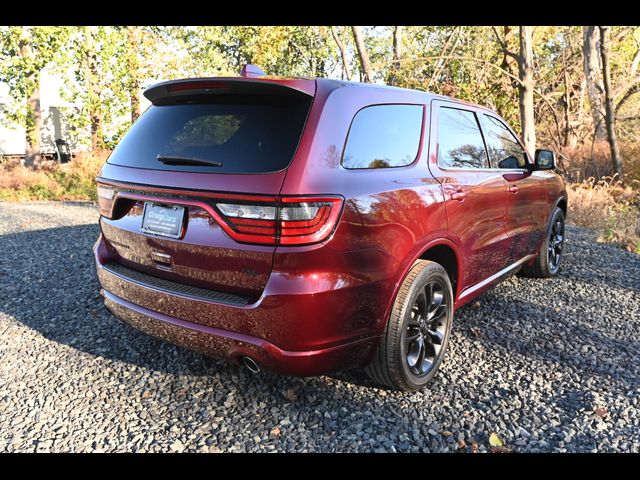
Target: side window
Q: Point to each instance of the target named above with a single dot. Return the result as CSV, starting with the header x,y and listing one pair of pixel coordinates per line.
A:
x,y
383,136
460,143
504,149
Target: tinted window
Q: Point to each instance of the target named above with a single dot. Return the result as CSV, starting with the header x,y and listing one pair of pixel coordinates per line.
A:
x,y
460,143
248,134
384,136
504,149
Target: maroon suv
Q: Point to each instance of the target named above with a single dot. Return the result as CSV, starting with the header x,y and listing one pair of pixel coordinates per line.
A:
x,y
310,225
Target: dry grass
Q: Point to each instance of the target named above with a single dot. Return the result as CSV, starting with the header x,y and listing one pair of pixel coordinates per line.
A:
x,y
71,181
594,161
610,207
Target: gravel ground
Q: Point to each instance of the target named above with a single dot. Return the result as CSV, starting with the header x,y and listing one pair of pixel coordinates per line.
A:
x,y
547,365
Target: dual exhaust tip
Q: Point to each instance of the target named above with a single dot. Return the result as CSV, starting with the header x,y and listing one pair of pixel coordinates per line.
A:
x,y
250,364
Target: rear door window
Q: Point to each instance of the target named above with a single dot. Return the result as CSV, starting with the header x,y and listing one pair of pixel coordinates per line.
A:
x,y
384,136
245,134
460,143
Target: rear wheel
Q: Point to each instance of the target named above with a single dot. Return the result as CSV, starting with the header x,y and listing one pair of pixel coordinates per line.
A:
x,y
547,263
417,333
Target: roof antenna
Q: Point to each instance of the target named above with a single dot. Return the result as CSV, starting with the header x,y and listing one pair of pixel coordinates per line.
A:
x,y
251,71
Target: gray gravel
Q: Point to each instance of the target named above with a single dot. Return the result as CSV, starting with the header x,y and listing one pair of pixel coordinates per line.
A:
x,y
547,365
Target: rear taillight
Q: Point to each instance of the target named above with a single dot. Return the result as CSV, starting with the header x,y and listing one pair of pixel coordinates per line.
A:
x,y
105,200
246,219
289,221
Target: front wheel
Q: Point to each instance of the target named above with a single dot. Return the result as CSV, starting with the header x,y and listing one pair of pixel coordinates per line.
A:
x,y
415,339
547,262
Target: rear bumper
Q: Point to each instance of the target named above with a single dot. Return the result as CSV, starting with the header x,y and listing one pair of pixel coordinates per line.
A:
x,y
300,332
232,345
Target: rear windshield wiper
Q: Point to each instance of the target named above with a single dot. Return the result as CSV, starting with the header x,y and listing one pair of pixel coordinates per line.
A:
x,y
173,160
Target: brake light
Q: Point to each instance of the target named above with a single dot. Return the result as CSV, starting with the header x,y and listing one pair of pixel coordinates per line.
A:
x,y
290,221
105,200
178,87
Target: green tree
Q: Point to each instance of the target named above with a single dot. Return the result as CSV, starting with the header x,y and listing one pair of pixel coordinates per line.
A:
x,y
26,51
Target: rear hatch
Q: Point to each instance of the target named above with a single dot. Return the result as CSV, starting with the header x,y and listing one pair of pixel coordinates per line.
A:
x,y
189,193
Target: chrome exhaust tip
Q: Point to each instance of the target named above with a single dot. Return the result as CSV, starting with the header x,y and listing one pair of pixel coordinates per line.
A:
x,y
250,364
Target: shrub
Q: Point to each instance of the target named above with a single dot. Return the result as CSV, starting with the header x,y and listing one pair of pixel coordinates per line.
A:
x,y
72,181
594,161
608,206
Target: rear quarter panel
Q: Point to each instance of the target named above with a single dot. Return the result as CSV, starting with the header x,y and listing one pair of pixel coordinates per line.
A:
x,y
390,215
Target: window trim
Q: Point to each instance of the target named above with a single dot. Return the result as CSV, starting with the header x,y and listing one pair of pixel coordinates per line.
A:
x,y
484,143
420,141
524,150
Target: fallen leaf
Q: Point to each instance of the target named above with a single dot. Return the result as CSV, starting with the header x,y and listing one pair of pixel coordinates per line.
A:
x,y
558,309
290,395
476,304
146,394
600,412
214,449
494,440
446,433
461,444
475,331
274,433
466,414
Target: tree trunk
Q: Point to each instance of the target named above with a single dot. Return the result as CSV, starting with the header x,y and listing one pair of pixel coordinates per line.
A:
x,y
365,64
343,53
33,148
525,90
397,47
133,67
570,138
593,75
93,88
610,113
33,114
507,60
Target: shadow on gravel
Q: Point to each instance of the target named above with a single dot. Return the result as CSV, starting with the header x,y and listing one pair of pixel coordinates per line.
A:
x,y
48,283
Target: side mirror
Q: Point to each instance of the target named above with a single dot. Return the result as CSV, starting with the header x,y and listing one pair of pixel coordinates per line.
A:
x,y
545,160
509,162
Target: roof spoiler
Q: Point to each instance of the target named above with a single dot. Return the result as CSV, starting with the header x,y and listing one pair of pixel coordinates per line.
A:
x,y
165,93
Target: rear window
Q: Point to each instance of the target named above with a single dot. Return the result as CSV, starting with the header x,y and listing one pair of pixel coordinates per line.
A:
x,y
247,134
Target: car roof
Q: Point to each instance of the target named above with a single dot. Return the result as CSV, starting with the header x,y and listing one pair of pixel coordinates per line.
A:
x,y
428,95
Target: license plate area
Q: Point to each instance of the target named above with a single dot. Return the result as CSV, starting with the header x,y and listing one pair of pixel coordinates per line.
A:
x,y
163,220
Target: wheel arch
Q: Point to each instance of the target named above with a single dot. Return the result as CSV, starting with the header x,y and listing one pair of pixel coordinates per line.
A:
x,y
440,250
562,204
445,254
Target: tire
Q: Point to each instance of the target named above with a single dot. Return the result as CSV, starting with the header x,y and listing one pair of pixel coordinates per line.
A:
x,y
547,264
425,293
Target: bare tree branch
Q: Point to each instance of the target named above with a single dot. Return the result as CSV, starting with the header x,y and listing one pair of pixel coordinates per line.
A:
x,y
630,90
362,53
440,65
504,46
343,52
634,64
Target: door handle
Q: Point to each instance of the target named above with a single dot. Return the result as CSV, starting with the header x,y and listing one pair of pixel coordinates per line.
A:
x,y
459,195
513,189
